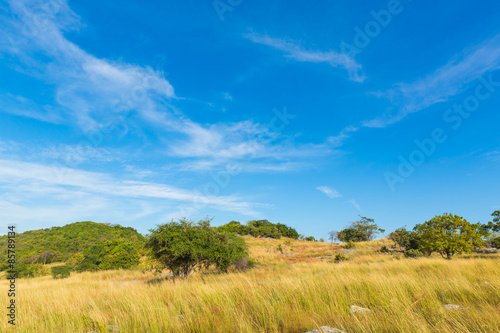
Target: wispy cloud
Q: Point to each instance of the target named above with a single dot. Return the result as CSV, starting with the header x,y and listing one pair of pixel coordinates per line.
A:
x,y
355,204
28,179
330,192
441,85
294,51
91,92
338,140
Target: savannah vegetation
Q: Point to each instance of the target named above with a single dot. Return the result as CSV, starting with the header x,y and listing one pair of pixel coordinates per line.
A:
x,y
291,285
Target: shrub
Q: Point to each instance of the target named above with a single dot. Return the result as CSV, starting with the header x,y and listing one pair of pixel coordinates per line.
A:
x,y
61,272
339,257
384,249
310,239
349,245
184,247
412,253
244,264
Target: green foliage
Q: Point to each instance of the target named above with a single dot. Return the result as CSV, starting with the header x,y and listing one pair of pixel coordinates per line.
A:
x,y
339,257
495,242
58,244
359,231
349,245
405,239
310,239
412,253
449,234
184,247
112,254
61,272
495,224
260,228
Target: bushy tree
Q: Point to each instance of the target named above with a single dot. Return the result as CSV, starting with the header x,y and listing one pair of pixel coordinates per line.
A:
x,y
405,239
362,230
448,235
184,246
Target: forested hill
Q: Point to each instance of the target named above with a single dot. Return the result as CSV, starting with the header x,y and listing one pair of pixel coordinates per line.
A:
x,y
58,244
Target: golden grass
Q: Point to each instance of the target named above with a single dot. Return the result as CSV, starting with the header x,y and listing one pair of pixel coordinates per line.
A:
x,y
278,296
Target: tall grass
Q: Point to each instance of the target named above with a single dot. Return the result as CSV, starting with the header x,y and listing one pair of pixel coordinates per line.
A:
x,y
278,296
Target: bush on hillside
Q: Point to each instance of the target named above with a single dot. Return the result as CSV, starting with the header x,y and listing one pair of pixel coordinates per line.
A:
x,y
411,253
61,272
259,228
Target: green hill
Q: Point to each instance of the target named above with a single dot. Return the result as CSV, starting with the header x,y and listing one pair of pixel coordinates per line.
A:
x,y
73,241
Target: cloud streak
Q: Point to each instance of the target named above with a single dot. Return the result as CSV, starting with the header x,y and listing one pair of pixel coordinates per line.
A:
x,y
296,52
329,192
441,85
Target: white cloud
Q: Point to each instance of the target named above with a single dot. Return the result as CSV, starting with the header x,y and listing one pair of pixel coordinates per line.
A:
x,y
338,140
296,52
228,96
355,205
441,85
28,179
92,92
330,192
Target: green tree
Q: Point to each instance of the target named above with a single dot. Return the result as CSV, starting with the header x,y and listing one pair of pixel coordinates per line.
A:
x,y
448,235
184,247
495,224
362,230
405,239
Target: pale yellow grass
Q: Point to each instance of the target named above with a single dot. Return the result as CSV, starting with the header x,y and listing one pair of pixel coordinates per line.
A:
x,y
278,296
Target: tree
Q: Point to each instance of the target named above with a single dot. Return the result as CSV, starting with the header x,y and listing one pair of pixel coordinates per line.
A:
x,y
332,235
362,230
184,247
495,224
405,239
448,235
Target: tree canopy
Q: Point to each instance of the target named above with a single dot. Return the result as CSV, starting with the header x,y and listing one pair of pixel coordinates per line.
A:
x,y
449,234
362,230
184,247
260,228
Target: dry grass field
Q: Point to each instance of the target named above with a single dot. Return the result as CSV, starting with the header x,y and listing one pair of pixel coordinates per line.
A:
x,y
296,292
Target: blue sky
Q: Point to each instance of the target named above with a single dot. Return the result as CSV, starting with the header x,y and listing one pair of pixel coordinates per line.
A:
x,y
308,114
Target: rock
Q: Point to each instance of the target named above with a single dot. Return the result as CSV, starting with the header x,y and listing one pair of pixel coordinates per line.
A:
x,y
359,309
326,329
453,307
